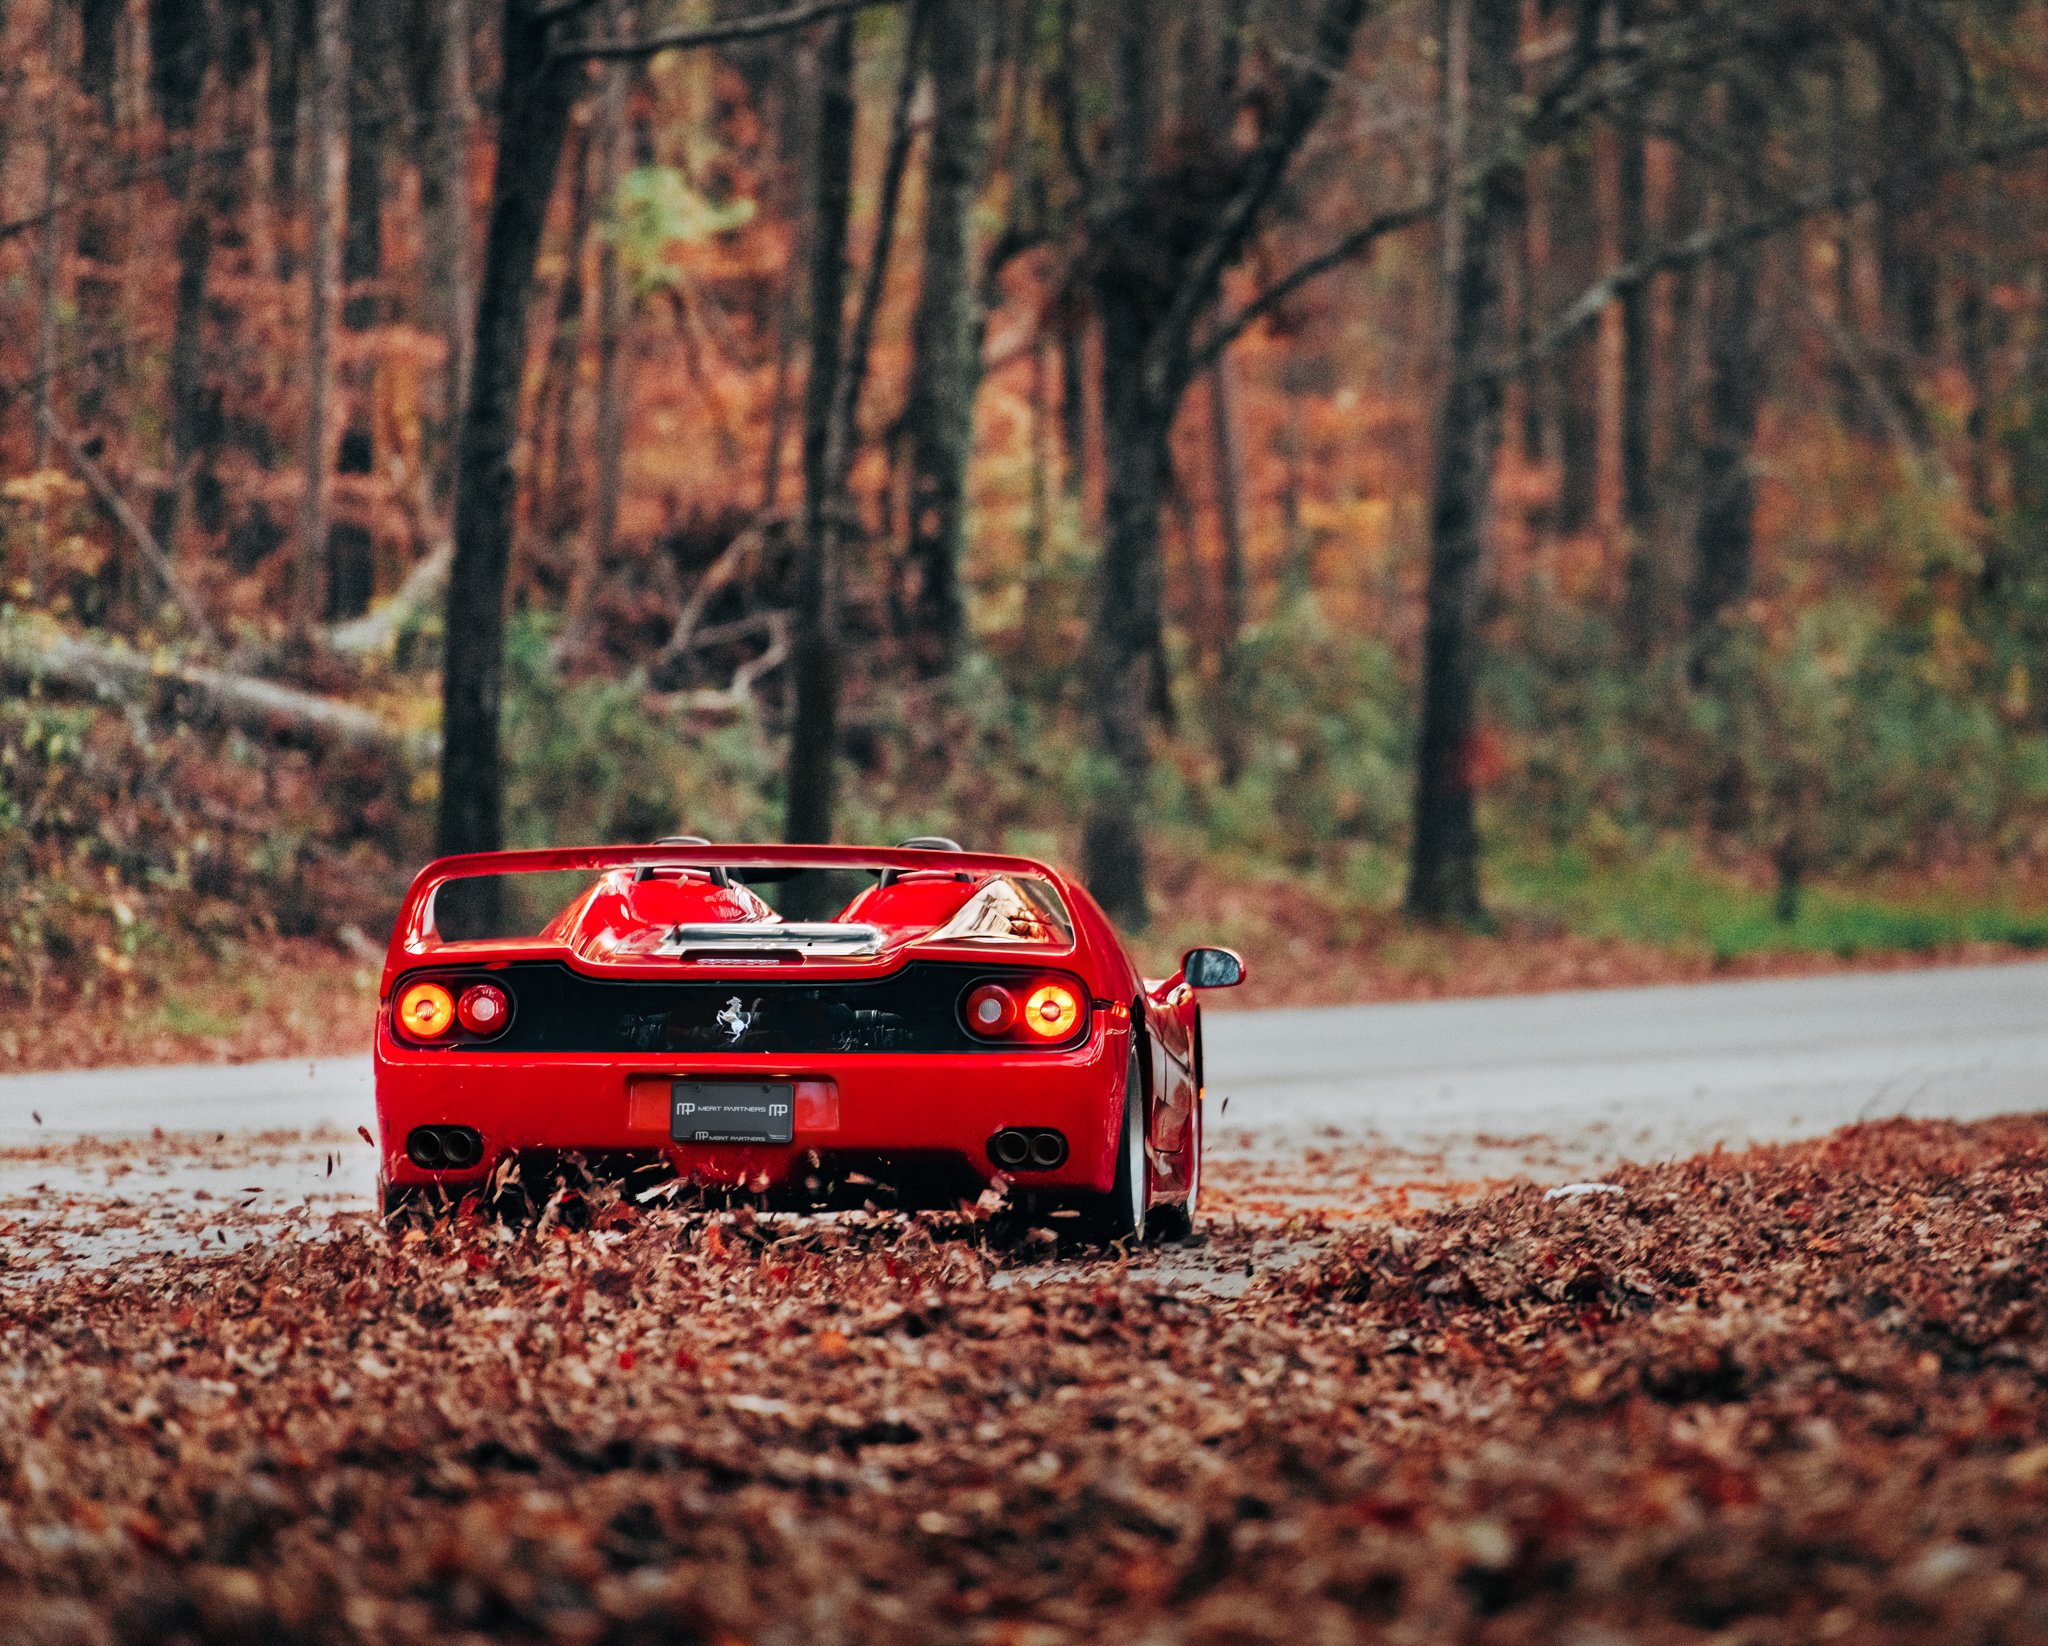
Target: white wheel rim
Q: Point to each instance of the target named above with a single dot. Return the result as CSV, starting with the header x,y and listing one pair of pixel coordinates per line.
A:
x,y
1195,1165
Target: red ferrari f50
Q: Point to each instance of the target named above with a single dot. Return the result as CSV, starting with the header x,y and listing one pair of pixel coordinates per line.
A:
x,y
964,1019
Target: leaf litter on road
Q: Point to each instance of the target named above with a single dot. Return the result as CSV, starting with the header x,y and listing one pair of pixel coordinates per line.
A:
x,y
1783,1395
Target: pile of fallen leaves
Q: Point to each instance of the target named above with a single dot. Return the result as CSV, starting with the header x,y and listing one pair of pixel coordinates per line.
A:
x,y
1788,1395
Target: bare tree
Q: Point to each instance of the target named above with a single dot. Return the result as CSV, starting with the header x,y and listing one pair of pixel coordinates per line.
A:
x,y
1725,530
535,92
814,662
538,85
449,113
613,140
1162,227
832,415
938,418
1443,874
614,378
325,204
1230,681
185,59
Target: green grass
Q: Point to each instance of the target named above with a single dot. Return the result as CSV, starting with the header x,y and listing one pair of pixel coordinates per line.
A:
x,y
181,1016
1671,901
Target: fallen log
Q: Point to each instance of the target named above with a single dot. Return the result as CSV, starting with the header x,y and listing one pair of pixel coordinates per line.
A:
x,y
376,632
262,707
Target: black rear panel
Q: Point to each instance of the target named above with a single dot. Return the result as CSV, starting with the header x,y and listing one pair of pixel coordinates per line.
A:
x,y
914,1010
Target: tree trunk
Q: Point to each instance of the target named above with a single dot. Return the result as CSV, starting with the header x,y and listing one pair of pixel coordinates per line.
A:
x,y
48,244
445,185
99,24
554,411
614,375
1123,648
324,191
788,193
534,97
1443,876
814,664
1074,405
1038,530
1724,537
1637,401
184,51
1230,682
372,104
945,368
1571,200
815,737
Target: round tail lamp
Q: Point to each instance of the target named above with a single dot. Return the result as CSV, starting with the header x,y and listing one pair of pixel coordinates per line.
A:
x,y
426,1011
484,1009
1051,1011
991,1011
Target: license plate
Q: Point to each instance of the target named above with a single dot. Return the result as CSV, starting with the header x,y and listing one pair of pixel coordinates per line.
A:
x,y
732,1111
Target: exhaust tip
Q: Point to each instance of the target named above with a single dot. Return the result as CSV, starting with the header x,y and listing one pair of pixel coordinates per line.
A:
x,y
1027,1148
1048,1149
444,1148
1010,1147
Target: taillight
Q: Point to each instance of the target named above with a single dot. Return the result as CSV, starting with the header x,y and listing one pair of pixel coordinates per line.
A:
x,y
991,1011
1038,1011
451,1010
484,1009
1051,1011
426,1011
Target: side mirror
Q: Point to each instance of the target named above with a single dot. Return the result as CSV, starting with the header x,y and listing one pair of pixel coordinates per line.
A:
x,y
1211,969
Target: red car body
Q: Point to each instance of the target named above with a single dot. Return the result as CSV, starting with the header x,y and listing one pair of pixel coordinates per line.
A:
x,y
667,1020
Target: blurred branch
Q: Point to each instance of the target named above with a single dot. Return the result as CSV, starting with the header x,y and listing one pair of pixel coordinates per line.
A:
x,y
1710,243
110,499
1300,107
717,575
758,27
1354,245
212,154
1898,420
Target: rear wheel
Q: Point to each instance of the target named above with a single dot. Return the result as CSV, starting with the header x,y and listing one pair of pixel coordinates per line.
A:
x,y
1120,1215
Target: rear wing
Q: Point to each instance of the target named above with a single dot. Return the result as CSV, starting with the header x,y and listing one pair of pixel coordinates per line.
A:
x,y
416,936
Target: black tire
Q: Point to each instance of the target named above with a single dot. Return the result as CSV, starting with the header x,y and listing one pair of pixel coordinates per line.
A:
x,y
1119,1216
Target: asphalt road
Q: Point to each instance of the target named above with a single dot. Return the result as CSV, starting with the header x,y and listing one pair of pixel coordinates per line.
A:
x,y
1625,1073
1643,1073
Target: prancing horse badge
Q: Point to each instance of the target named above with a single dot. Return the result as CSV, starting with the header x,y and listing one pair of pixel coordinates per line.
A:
x,y
736,1019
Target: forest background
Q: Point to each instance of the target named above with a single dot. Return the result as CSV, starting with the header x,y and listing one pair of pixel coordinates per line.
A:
x,y
1475,494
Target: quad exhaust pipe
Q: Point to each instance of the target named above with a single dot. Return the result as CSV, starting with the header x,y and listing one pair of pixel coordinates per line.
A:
x,y
1028,1148
444,1148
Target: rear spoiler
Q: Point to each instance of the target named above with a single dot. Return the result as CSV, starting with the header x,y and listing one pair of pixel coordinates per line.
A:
x,y
413,935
